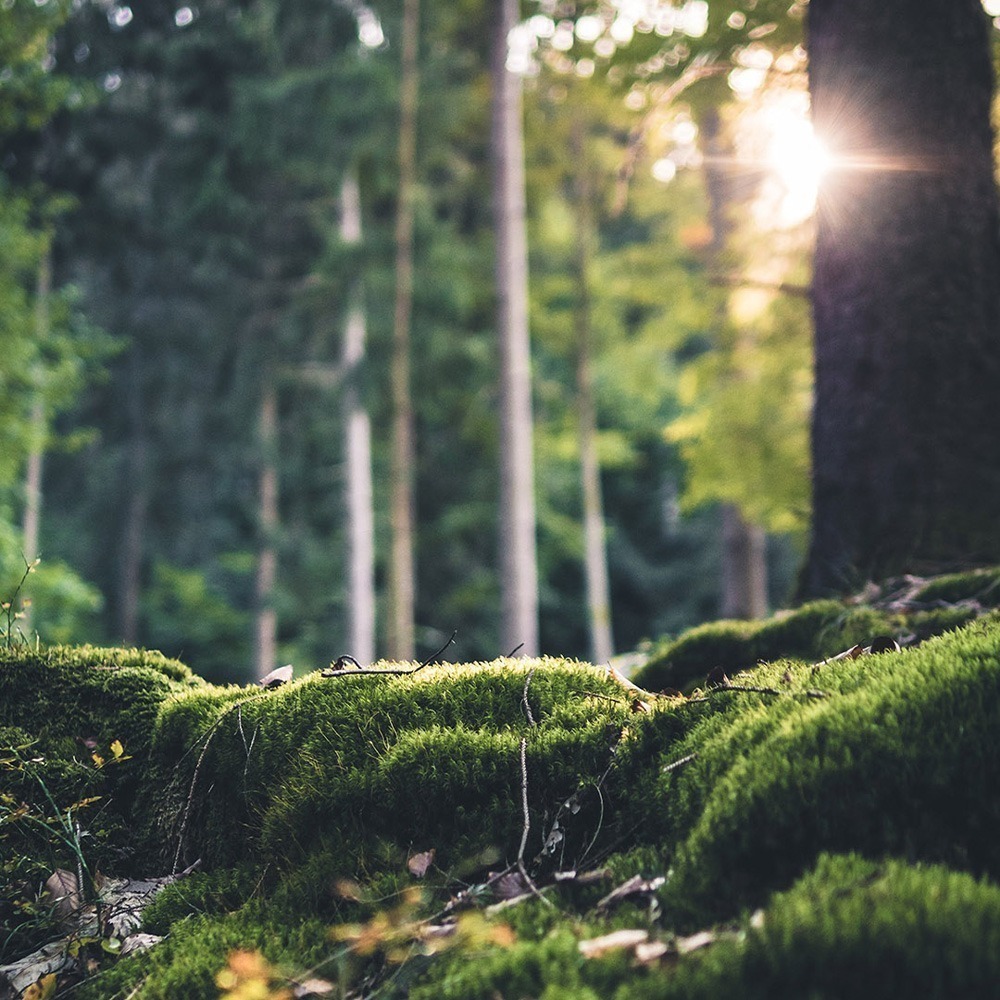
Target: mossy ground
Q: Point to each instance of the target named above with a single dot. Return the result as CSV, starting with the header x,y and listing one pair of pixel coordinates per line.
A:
x,y
832,827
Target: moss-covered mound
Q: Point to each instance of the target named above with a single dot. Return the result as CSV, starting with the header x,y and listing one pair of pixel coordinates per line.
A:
x,y
910,610
795,829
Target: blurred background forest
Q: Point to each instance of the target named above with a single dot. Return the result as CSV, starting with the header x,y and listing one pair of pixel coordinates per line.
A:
x,y
249,289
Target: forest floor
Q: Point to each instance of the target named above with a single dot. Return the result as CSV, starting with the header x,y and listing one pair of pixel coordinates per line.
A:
x,y
804,806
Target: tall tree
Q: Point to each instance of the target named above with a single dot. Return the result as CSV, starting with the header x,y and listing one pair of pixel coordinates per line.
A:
x,y
594,547
401,573
518,567
357,450
906,292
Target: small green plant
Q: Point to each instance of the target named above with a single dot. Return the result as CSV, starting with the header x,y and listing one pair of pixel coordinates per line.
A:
x,y
9,609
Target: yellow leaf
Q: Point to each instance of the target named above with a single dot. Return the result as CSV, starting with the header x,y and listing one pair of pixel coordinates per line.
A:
x,y
117,749
41,990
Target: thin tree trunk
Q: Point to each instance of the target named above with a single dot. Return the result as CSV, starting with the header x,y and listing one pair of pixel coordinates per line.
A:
x,y
906,295
357,448
518,564
401,572
36,450
136,509
744,564
595,553
266,619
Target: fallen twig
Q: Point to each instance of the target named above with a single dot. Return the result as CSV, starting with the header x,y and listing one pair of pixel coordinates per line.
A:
x,y
680,763
754,689
335,671
527,826
524,698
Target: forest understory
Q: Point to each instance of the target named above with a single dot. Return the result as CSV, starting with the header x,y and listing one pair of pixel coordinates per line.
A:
x,y
799,806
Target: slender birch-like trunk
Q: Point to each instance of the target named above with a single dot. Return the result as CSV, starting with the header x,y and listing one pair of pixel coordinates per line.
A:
x,y
266,618
401,643
595,552
518,564
358,453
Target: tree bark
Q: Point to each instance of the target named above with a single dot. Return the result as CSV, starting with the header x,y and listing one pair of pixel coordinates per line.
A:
x,y
906,293
266,618
518,563
357,449
401,572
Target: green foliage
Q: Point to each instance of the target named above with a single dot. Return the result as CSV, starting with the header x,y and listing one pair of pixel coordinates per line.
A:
x,y
186,616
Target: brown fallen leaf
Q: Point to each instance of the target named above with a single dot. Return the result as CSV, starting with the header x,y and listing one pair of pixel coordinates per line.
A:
x,y
615,941
419,863
63,895
510,886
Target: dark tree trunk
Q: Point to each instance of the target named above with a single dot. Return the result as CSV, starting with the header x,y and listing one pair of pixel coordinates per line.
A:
x,y
906,292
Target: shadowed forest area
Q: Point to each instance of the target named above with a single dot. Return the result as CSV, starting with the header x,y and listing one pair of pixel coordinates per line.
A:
x,y
499,499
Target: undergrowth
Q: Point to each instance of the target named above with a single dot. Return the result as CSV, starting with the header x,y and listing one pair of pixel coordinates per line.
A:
x,y
796,828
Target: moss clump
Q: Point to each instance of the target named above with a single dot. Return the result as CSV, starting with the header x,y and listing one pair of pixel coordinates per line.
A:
x,y
905,762
850,928
821,629
64,712
429,760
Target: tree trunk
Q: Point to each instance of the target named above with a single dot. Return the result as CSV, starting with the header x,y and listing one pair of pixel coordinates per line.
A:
x,y
595,556
357,449
36,449
266,618
906,293
744,564
518,566
136,509
401,574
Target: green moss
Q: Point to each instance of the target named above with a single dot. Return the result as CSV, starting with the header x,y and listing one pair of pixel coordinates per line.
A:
x,y
853,928
905,762
814,632
286,793
431,760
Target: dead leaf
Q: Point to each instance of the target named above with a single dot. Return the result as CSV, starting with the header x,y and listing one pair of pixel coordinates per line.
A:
x,y
313,988
63,894
138,942
635,886
42,990
884,644
510,886
702,939
647,952
615,941
638,705
419,863
277,677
